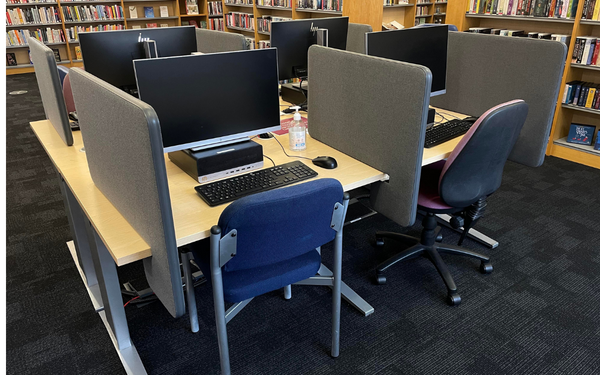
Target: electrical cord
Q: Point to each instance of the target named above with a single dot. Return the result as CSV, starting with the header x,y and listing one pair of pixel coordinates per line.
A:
x,y
269,159
290,156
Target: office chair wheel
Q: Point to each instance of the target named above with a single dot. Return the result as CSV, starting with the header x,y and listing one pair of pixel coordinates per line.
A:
x,y
439,238
379,241
453,299
380,279
486,267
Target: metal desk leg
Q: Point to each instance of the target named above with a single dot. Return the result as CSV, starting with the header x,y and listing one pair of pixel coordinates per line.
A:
x,y
350,295
80,245
113,315
473,233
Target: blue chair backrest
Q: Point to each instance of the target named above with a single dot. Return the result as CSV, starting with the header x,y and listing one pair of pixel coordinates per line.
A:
x,y
450,27
62,73
281,224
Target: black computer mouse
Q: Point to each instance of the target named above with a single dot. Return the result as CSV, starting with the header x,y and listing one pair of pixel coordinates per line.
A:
x,y
326,162
471,119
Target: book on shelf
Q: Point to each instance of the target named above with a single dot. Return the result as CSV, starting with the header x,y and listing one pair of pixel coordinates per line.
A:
x,y
275,3
581,134
133,11
191,7
11,59
164,11
597,144
586,51
193,23
32,16
591,10
136,27
164,25
56,54
330,5
78,53
151,25
393,25
92,13
240,20
535,8
215,8
30,59
582,94
18,37
149,12
480,30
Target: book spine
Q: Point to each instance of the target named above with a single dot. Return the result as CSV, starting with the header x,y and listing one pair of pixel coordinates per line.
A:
x,y
590,97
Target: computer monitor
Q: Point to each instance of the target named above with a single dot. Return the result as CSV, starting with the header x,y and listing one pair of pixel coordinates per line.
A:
x,y
211,99
293,38
109,54
426,46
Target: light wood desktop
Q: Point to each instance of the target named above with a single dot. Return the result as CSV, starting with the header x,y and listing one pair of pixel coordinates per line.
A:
x,y
192,217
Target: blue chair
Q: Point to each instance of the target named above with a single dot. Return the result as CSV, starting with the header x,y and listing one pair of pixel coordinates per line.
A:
x,y
269,241
450,27
62,73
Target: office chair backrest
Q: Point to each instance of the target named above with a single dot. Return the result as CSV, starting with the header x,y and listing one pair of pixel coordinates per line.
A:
x,y
374,110
484,70
357,37
211,41
48,80
62,73
124,150
68,94
292,222
474,169
450,26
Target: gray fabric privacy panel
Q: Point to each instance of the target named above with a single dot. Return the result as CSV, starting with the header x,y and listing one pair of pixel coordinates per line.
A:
x,y
211,41
356,37
374,110
487,70
123,146
48,80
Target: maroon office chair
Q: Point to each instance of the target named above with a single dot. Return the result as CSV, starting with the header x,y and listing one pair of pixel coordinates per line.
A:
x,y
461,184
68,94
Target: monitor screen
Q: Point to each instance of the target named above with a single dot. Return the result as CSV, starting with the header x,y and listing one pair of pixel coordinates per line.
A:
x,y
109,54
426,46
293,38
213,98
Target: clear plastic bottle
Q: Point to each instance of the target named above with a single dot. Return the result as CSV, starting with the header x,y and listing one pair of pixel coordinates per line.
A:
x,y
297,132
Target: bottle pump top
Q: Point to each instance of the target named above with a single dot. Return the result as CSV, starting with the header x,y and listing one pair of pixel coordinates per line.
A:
x,y
297,116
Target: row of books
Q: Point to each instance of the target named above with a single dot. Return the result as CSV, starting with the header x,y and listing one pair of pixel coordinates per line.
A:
x,y
29,2
92,13
215,24
151,25
241,20
586,50
215,8
239,2
535,8
264,22
335,5
250,42
421,11
28,16
275,3
264,44
47,35
394,2
520,33
591,10
582,94
72,32
194,23
148,11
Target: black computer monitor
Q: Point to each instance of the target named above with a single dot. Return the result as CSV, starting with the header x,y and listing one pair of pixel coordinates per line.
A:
x,y
293,38
211,99
109,54
426,46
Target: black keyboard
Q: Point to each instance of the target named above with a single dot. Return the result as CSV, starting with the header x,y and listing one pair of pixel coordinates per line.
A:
x,y
230,189
446,131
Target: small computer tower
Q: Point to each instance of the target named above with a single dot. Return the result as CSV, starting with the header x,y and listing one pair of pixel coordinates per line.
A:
x,y
293,94
218,162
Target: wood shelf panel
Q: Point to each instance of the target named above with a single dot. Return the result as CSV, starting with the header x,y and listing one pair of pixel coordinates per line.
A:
x,y
521,18
582,109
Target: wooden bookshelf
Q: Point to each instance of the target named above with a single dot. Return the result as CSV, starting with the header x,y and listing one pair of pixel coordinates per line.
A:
x,y
564,114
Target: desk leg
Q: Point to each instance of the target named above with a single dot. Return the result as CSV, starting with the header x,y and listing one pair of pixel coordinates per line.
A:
x,y
350,295
113,315
473,233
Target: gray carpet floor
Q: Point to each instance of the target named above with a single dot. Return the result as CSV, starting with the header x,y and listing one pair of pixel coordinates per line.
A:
x,y
537,313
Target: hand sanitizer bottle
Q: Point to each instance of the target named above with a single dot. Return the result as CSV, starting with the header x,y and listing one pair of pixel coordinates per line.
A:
x,y
297,132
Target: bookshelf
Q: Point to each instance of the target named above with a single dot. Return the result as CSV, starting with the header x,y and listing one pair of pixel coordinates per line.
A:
x,y
413,12
565,114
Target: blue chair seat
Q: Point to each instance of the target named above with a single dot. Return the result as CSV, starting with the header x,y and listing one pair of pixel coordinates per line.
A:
x,y
243,284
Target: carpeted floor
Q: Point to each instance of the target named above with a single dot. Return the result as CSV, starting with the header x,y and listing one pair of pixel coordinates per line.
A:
x,y
537,313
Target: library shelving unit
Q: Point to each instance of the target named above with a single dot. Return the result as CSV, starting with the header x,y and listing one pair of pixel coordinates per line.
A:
x,y
413,12
564,115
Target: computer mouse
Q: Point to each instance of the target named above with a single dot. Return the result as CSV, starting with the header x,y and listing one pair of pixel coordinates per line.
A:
x,y
471,119
326,162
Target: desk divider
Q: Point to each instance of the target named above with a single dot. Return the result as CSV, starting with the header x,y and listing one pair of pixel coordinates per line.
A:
x,y
374,110
124,151
48,80
487,70
211,41
357,40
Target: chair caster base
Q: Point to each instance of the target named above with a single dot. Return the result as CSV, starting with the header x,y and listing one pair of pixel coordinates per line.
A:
x,y
380,279
453,299
486,267
379,242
